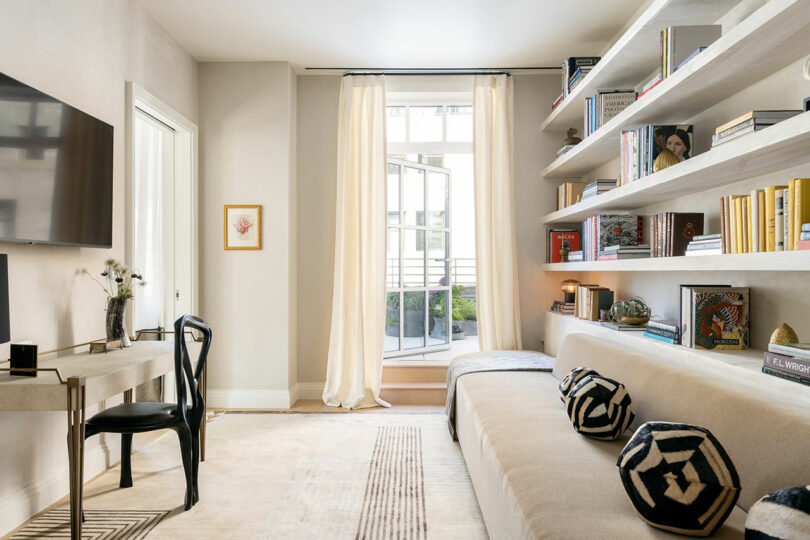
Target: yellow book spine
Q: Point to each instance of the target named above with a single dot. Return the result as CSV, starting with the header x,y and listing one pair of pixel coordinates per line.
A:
x,y
761,224
792,210
746,224
770,218
738,224
801,208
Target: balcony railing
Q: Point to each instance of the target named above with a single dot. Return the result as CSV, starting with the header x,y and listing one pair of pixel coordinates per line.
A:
x,y
462,271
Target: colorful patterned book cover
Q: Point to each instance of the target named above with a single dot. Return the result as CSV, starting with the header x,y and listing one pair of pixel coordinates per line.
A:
x,y
570,240
619,230
721,318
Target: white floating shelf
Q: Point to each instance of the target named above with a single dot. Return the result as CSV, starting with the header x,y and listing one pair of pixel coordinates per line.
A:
x,y
773,149
772,37
779,261
635,54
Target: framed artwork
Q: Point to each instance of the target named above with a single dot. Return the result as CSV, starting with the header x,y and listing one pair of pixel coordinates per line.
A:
x,y
243,226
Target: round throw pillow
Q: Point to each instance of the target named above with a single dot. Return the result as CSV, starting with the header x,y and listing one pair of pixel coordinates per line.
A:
x,y
600,408
571,380
679,478
783,514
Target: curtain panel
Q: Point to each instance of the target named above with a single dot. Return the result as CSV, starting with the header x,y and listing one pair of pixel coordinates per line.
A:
x,y
498,301
354,368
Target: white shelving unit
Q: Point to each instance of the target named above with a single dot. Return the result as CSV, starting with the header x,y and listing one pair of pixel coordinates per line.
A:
x,y
769,39
780,261
775,148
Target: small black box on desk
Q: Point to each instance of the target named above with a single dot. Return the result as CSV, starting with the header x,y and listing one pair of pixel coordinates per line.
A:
x,y
23,360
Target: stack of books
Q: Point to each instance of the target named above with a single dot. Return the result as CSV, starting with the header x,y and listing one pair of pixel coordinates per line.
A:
x,y
598,187
566,308
557,102
560,241
590,300
679,44
748,123
672,232
705,244
640,147
663,330
804,237
576,66
619,253
564,149
569,193
576,256
604,105
790,361
622,327
766,220
598,232
649,85
714,317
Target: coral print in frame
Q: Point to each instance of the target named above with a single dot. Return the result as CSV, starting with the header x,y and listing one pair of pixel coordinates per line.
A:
x,y
243,226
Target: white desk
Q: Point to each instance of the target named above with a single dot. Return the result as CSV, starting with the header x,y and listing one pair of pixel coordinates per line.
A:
x,y
69,382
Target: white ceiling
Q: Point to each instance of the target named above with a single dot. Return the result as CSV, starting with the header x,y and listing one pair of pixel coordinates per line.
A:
x,y
388,33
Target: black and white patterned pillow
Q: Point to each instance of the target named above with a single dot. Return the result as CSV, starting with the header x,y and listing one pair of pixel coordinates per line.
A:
x,y
783,514
571,380
600,408
679,478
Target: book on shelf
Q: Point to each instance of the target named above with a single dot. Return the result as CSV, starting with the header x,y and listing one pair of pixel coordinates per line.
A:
x,y
705,244
649,86
601,231
566,308
575,256
748,123
673,232
788,364
684,297
569,193
559,239
640,147
795,350
658,337
598,187
799,208
670,334
565,149
664,324
604,105
715,317
619,252
622,327
680,42
579,298
690,57
569,68
578,77
557,102
597,299
785,375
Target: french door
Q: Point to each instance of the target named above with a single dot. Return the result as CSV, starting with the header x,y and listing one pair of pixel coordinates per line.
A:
x,y
418,292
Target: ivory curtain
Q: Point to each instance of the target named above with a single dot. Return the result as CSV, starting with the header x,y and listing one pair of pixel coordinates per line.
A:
x,y
496,251
354,368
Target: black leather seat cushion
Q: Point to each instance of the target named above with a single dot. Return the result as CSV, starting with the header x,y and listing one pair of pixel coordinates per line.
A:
x,y
135,416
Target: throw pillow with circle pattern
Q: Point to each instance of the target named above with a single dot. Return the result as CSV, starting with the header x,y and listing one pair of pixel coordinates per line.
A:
x,y
679,478
782,514
571,380
600,408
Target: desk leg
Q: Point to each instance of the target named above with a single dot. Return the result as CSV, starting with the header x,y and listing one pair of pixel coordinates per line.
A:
x,y
76,416
204,384
128,396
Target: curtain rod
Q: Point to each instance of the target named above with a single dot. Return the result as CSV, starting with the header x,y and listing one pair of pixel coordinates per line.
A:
x,y
429,71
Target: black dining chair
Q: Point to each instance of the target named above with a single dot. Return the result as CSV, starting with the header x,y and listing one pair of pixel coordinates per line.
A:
x,y
184,418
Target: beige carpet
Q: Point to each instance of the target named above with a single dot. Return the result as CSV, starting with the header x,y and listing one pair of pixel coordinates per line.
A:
x,y
327,476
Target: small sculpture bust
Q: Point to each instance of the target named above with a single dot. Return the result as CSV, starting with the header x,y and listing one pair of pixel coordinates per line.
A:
x,y
571,139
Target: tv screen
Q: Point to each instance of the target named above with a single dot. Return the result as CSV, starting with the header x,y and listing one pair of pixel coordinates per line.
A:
x,y
56,162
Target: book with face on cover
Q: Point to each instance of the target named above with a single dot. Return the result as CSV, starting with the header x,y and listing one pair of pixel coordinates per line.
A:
x,y
720,318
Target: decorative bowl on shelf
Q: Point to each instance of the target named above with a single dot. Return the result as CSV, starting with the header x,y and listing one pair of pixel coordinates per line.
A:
x,y
634,320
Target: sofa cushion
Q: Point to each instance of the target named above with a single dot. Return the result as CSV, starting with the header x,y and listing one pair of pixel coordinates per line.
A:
x,y
783,514
571,380
762,421
679,478
534,476
600,408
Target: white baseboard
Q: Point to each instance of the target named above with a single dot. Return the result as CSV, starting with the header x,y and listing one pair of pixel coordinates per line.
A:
x,y
250,399
22,505
309,390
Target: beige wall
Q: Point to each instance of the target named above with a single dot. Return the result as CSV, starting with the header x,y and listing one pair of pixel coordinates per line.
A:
x,y
247,156
81,52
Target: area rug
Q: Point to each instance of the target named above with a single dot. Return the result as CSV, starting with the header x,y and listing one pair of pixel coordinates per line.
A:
x,y
104,524
284,476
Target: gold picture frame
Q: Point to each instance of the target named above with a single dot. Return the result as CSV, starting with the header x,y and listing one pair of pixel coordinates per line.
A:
x,y
243,226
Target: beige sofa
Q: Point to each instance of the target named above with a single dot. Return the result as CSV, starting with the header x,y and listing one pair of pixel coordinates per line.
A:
x,y
535,477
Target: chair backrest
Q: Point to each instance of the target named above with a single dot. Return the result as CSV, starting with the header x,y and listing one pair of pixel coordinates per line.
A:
x,y
184,374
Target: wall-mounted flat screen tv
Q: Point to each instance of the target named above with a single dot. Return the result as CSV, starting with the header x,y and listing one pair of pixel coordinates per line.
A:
x,y
56,170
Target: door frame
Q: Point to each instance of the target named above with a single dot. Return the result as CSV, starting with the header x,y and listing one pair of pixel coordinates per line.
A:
x,y
426,288
185,167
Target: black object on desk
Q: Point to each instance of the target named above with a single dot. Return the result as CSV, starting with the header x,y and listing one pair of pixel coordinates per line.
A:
x,y
23,360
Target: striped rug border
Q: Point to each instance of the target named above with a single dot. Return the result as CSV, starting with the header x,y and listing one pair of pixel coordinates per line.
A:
x,y
394,500
98,525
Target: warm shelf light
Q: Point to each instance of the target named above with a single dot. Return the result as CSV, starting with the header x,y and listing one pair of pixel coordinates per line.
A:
x,y
569,287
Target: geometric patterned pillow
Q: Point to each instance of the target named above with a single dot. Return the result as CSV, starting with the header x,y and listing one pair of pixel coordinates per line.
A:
x,y
679,478
600,408
571,380
783,514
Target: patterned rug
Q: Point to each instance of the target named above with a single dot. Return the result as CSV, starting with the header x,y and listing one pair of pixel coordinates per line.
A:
x,y
98,525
